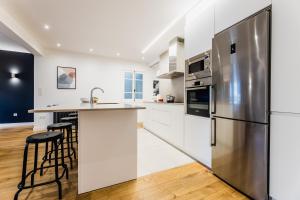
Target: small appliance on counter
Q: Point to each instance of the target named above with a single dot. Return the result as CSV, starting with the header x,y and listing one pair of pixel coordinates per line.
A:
x,y
170,99
198,80
159,98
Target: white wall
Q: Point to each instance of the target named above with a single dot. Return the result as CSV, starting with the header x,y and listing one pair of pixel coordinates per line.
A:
x,y
107,73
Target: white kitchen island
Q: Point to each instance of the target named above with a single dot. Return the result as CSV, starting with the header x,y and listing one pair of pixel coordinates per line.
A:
x,y
107,143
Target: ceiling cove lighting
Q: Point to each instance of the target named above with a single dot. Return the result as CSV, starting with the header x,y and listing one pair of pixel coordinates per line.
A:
x,y
46,27
203,3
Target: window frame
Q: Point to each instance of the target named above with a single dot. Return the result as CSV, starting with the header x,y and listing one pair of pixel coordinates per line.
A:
x,y
133,85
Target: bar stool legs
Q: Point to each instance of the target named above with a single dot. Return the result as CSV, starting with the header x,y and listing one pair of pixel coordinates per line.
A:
x,y
22,183
36,151
56,144
56,169
67,131
71,141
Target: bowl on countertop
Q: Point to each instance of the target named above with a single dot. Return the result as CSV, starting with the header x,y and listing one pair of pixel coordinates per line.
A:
x,y
84,100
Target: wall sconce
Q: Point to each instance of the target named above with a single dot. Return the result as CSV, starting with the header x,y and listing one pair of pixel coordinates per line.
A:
x,y
13,75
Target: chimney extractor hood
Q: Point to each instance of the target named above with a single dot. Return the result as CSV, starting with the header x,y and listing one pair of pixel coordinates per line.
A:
x,y
172,62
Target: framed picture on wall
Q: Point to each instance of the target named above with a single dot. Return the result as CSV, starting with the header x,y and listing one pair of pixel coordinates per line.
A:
x,y
66,77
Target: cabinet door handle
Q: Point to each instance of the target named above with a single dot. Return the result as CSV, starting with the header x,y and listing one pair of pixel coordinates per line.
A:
x,y
213,99
213,132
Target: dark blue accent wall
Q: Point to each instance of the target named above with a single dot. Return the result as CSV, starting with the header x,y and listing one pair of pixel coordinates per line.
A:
x,y
16,94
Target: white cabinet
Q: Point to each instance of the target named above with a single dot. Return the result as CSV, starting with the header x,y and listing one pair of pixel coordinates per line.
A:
x,y
166,121
285,95
285,157
199,30
198,138
229,12
163,63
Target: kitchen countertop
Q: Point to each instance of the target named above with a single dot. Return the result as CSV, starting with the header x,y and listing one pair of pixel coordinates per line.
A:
x,y
164,103
86,107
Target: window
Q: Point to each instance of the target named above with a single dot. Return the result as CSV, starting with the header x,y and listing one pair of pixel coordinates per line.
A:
x,y
133,83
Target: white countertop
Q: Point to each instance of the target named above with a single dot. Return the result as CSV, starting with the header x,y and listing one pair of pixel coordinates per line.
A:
x,y
86,107
164,103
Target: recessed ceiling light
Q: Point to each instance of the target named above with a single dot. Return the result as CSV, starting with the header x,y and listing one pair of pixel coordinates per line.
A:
x,y
58,45
46,27
118,54
91,50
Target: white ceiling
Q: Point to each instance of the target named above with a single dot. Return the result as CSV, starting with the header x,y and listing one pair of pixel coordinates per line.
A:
x,y
107,26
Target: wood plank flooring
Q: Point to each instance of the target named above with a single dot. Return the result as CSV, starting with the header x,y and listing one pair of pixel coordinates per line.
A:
x,y
189,182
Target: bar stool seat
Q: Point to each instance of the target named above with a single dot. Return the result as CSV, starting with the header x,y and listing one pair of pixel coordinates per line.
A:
x,y
69,119
43,137
36,139
58,125
73,114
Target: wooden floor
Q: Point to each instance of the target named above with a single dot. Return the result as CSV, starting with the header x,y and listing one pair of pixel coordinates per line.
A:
x,y
190,182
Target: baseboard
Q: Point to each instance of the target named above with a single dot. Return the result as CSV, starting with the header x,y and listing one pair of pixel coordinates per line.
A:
x,y
16,125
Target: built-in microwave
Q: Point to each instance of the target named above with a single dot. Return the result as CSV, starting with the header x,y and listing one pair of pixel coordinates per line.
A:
x,y
198,97
198,66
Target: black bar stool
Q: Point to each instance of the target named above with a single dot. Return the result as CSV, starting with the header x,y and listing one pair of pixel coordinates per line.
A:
x,y
74,121
36,139
74,114
66,129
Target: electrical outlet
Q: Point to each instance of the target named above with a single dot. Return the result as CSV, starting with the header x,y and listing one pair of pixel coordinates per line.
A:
x,y
15,114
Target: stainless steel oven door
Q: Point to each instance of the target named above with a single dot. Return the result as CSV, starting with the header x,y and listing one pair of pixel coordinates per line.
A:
x,y
198,101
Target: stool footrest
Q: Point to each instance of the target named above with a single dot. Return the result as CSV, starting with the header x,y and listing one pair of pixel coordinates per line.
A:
x,y
20,186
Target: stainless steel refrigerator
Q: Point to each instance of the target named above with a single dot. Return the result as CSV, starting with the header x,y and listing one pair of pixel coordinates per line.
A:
x,y
240,105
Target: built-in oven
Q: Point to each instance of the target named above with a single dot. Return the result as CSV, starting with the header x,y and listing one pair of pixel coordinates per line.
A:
x,y
198,66
198,97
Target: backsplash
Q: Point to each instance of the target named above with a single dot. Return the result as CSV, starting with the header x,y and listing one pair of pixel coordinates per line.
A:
x,y
174,87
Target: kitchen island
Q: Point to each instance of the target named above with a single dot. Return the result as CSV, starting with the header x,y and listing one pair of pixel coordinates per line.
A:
x,y
107,143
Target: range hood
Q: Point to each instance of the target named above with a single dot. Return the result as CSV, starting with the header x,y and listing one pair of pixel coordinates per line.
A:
x,y
171,64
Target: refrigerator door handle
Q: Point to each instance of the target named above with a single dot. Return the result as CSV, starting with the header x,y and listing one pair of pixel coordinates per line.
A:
x,y
213,132
213,99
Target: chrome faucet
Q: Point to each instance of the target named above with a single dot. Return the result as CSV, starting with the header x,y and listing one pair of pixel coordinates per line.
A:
x,y
92,92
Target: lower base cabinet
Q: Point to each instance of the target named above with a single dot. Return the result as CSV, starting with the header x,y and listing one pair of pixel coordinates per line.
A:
x,y
166,121
189,133
197,142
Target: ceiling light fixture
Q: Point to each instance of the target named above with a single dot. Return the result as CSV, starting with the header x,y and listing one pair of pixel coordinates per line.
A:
x,y
46,27
91,50
58,45
165,30
118,54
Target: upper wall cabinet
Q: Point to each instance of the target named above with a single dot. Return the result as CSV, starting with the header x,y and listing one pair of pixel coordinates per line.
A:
x,y
199,30
285,95
229,12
